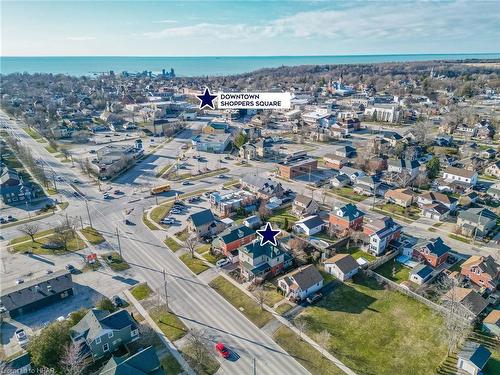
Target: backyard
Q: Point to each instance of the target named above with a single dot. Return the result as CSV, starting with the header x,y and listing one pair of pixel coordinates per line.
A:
x,y
347,192
394,271
283,216
377,331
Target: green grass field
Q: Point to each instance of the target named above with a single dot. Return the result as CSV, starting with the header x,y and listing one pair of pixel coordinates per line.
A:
x,y
75,244
402,273
378,331
169,323
241,301
459,238
172,244
117,263
194,264
347,192
304,353
92,235
159,212
170,365
141,291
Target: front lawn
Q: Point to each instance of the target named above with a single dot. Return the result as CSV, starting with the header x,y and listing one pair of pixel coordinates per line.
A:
x,y
378,331
283,308
115,261
203,248
401,273
271,295
347,192
92,235
207,366
172,244
194,264
241,301
211,258
74,244
459,238
410,212
280,216
183,235
304,353
168,322
141,291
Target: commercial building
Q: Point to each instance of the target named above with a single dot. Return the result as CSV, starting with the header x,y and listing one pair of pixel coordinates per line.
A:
x,y
297,167
212,142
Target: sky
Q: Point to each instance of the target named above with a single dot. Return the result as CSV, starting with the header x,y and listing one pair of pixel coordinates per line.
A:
x,y
247,28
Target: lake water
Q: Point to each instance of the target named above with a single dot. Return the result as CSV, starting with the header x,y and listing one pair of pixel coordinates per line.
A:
x,y
200,66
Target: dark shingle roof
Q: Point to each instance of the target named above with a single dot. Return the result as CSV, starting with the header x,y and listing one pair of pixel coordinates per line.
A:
x,y
96,320
233,234
255,250
422,270
350,211
36,290
202,217
305,277
144,362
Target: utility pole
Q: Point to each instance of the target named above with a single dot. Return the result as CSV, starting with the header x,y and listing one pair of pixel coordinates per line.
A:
x,y
54,181
81,222
119,245
165,287
88,212
254,367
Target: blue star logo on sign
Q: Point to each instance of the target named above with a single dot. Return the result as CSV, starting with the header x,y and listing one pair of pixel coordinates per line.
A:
x,y
206,99
268,234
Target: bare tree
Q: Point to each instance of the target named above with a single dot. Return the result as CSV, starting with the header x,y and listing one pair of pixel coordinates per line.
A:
x,y
64,233
323,195
404,178
190,244
260,293
323,340
198,354
456,327
29,229
147,336
421,179
301,325
263,210
72,361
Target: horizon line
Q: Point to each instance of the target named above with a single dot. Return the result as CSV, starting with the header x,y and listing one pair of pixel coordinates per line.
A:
x,y
257,56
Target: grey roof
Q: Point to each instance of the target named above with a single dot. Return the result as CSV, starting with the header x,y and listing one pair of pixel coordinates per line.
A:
x,y
235,233
345,262
312,221
437,246
478,214
475,353
36,290
305,277
202,217
96,320
144,362
422,270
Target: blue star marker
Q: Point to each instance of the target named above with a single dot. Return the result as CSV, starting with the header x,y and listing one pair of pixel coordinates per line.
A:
x,y
268,235
206,99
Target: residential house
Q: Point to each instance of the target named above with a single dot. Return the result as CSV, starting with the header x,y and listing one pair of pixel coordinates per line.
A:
x,y
233,238
472,358
101,332
253,222
381,231
463,176
334,161
309,225
468,199
342,266
144,362
494,191
433,252
262,261
489,153
204,223
435,211
493,169
420,274
36,293
430,197
367,185
304,206
263,148
352,173
248,151
402,197
470,300
20,364
492,322
345,151
477,221
483,271
265,188
347,217
340,181
403,165
301,283
13,188
393,138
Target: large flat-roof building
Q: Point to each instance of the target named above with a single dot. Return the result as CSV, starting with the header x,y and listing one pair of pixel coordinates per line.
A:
x,y
297,167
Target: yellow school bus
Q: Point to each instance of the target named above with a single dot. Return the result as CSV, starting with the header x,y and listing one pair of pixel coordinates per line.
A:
x,y
160,189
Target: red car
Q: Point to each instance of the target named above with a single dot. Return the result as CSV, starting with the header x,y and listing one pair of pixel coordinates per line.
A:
x,y
222,350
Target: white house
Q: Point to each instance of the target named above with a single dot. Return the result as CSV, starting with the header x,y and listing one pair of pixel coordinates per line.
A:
x,y
309,225
420,274
342,266
451,174
472,358
301,283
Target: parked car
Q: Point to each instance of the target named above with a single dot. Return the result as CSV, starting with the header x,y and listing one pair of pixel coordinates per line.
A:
x,y
19,281
222,262
185,183
222,350
128,222
11,218
61,318
22,337
117,301
2,220
221,176
117,191
70,268
49,271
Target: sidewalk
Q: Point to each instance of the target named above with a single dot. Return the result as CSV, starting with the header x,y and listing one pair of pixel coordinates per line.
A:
x,y
173,350
288,324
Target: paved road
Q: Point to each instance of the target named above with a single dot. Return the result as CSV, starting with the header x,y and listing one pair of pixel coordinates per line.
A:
x,y
189,297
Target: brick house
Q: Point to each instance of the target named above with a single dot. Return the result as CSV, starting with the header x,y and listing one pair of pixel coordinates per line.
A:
x,y
347,217
482,271
433,252
233,238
